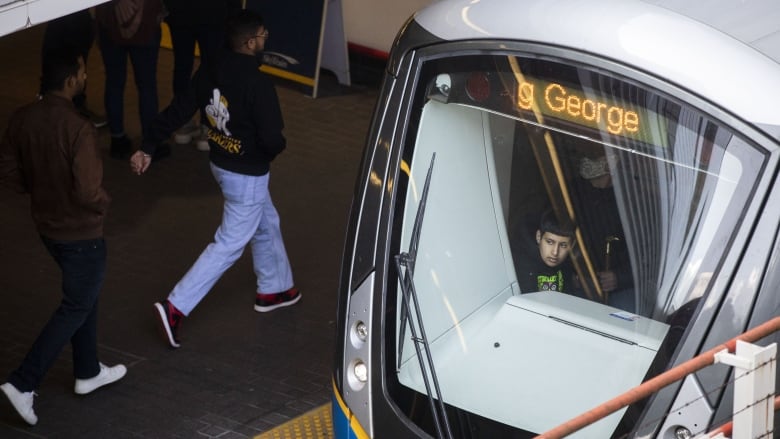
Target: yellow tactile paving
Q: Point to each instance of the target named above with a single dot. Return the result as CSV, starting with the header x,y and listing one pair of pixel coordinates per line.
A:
x,y
314,424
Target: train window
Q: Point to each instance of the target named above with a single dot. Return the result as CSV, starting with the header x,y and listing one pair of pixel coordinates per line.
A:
x,y
556,218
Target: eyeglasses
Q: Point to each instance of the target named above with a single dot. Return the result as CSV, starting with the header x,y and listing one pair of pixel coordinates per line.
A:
x,y
263,35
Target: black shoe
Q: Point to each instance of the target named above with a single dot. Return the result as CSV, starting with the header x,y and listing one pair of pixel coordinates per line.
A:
x,y
120,147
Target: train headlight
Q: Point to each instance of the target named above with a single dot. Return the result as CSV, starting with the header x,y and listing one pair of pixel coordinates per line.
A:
x,y
361,329
682,433
359,334
361,371
357,374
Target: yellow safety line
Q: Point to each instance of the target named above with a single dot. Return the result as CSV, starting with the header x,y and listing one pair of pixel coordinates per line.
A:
x,y
165,42
354,425
314,424
305,80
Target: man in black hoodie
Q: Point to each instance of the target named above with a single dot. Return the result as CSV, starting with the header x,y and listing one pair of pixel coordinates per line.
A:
x,y
239,105
191,22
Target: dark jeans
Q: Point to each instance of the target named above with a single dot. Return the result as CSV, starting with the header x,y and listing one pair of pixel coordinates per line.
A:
x,y
83,265
144,61
183,39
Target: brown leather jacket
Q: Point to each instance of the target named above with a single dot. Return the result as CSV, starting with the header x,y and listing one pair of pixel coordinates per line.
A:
x,y
50,151
130,22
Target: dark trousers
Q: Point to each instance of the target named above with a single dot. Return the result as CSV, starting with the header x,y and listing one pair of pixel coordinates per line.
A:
x,y
144,61
83,265
183,39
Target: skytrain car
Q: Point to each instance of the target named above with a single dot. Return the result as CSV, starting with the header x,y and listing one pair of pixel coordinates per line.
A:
x,y
647,132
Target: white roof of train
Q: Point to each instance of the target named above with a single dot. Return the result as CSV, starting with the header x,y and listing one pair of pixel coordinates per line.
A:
x,y
754,22
16,15
699,45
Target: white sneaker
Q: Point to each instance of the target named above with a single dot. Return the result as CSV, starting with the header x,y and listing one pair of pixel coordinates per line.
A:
x,y
185,134
22,402
202,144
107,375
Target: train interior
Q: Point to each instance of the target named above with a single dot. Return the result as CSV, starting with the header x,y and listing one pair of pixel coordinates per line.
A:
x,y
500,350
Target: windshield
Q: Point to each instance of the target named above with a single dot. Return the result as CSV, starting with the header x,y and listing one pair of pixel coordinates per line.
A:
x,y
573,221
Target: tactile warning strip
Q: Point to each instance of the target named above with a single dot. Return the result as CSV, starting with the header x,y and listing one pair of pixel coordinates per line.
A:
x,y
314,424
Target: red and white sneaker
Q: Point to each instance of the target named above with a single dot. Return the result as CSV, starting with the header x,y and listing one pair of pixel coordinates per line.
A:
x,y
170,321
269,302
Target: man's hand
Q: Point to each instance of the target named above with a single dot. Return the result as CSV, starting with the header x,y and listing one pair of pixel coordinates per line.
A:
x,y
140,161
607,280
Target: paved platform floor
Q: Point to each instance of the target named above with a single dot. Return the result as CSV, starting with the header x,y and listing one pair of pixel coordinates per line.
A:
x,y
239,373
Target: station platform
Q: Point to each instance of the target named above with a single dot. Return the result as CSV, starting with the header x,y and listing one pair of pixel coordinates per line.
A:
x,y
239,373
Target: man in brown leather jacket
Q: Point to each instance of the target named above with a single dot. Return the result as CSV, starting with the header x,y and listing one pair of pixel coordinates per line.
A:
x,y
50,151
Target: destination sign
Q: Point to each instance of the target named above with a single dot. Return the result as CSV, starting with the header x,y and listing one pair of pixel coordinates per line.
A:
x,y
590,109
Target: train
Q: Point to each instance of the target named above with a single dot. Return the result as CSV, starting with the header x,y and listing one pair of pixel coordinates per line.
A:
x,y
646,132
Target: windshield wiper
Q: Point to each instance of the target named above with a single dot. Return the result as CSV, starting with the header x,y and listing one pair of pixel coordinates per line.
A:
x,y
406,260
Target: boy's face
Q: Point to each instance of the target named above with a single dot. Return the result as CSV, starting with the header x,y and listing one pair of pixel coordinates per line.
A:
x,y
553,249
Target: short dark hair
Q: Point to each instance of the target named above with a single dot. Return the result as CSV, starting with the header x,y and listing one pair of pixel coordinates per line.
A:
x,y
58,66
241,26
550,223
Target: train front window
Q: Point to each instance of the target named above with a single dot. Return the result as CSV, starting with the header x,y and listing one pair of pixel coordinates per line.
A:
x,y
571,222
